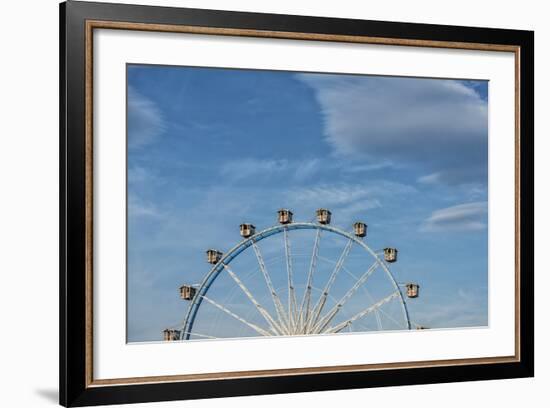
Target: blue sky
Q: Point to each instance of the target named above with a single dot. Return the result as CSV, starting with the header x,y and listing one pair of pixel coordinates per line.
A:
x,y
211,148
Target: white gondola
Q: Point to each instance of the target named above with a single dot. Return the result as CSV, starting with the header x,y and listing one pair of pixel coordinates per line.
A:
x,y
213,256
187,292
247,230
360,229
412,290
323,216
284,216
390,254
171,334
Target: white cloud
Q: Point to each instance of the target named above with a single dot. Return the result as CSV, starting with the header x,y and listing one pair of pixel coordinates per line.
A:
x,y
441,124
145,120
462,217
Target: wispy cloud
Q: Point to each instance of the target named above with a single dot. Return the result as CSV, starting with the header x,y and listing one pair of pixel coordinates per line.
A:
x,y
306,169
470,172
145,120
332,195
247,168
144,177
366,167
298,170
462,217
430,178
251,167
461,308
336,194
437,123
346,201
140,208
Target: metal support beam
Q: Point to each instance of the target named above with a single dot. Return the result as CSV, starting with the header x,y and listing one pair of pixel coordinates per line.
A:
x,y
361,314
239,318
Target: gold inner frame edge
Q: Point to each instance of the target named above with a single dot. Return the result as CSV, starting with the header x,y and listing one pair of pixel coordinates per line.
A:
x,y
93,24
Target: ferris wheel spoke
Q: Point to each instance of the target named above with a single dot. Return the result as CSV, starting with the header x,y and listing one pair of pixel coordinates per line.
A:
x,y
273,325
326,291
389,317
325,320
376,312
291,293
239,318
206,336
363,313
378,320
279,308
363,325
306,299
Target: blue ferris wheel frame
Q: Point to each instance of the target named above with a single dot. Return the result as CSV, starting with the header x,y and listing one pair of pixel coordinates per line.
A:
x,y
243,245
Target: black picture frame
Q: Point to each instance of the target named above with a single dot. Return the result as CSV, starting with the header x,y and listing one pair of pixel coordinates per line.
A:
x,y
75,389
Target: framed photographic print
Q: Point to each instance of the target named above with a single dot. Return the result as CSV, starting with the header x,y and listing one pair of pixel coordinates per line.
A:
x,y
255,203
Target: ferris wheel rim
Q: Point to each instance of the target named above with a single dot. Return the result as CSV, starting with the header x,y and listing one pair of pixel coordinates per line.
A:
x,y
227,257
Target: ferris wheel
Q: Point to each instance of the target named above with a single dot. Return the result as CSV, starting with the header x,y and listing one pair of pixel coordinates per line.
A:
x,y
296,278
